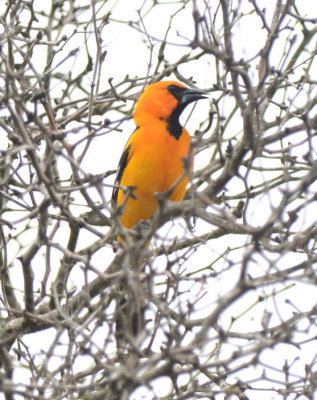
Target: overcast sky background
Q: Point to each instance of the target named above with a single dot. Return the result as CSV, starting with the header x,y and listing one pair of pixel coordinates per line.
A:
x,y
127,53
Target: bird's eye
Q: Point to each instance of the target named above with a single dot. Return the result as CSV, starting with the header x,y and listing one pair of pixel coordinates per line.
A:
x,y
176,91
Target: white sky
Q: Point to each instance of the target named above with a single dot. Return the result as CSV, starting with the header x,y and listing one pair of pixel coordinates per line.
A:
x,y
127,54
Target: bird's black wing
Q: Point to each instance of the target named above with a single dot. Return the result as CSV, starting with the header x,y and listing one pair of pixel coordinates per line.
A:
x,y
121,167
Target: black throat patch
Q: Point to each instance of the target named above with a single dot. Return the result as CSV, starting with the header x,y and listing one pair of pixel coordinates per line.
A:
x,y
173,125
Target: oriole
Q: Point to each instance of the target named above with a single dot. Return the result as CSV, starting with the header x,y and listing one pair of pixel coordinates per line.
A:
x,y
154,157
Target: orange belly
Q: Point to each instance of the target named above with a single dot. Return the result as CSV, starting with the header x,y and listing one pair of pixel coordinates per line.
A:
x,y
155,163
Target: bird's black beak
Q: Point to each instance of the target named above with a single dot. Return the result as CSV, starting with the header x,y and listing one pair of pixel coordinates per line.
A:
x,y
190,95
185,95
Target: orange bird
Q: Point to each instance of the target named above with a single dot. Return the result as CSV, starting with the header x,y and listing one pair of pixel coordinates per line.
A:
x,y
154,157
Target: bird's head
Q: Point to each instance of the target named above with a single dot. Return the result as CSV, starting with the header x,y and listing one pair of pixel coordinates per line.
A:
x,y
164,99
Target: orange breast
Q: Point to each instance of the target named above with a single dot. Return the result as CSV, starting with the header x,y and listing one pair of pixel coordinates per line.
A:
x,y
155,163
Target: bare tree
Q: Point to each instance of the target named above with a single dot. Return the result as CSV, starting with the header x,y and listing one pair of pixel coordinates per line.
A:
x,y
228,284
